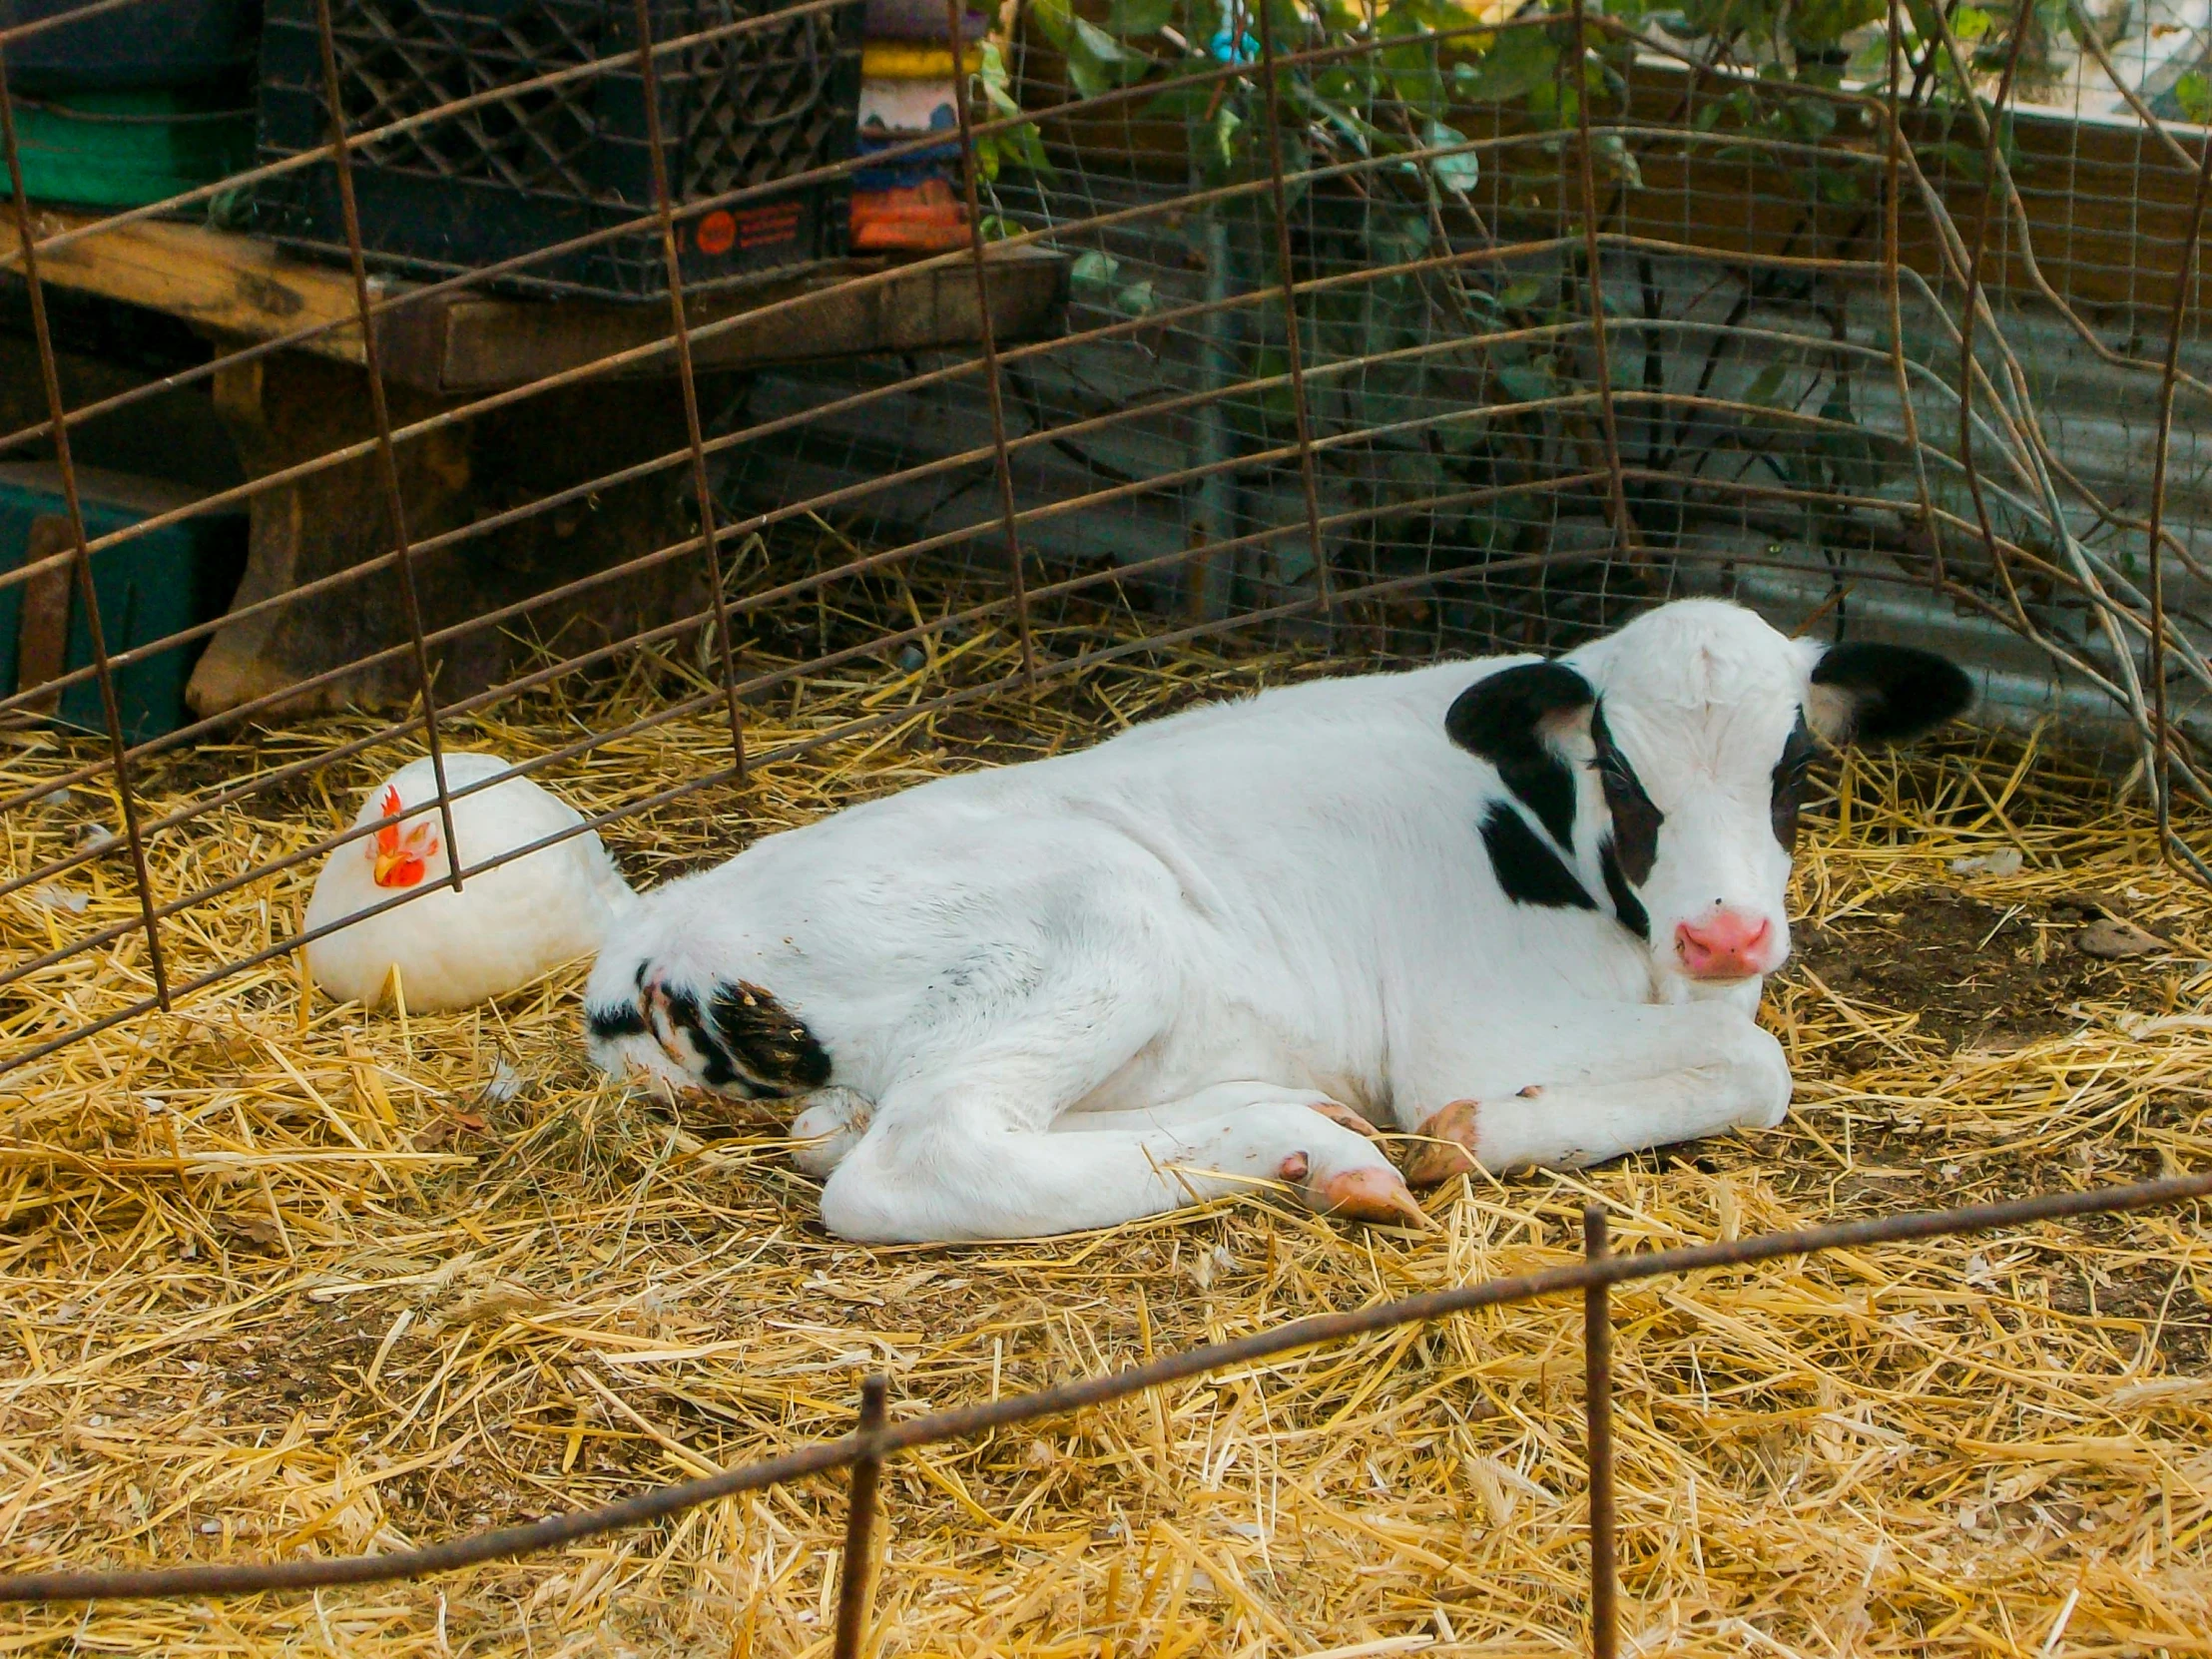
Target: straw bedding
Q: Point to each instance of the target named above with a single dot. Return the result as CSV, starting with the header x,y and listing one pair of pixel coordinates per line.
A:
x,y
278,1277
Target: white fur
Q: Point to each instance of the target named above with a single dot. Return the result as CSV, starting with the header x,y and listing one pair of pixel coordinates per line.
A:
x,y
1067,994
503,929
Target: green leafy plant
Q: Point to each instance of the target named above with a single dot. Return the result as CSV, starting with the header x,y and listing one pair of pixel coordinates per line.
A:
x,y
1020,145
1409,85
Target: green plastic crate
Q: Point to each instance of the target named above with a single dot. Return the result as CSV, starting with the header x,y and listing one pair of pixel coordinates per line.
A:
x,y
149,587
126,149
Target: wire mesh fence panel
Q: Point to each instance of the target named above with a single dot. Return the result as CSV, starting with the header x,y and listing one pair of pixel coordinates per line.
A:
x,y
672,432
1380,332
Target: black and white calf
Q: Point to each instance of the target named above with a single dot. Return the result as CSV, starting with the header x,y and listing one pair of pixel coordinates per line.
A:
x,y
1522,907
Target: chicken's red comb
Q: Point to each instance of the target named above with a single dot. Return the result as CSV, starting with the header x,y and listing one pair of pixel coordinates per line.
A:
x,y
388,839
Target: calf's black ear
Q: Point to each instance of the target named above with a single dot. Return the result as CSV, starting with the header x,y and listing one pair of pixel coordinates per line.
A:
x,y
1867,693
1499,716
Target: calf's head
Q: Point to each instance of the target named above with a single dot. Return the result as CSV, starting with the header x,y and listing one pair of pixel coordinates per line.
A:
x,y
1664,765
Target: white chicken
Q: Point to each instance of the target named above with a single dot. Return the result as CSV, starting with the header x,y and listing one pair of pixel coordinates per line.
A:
x,y
503,929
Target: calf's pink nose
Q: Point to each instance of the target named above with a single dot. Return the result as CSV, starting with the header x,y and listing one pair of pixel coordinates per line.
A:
x,y
1727,946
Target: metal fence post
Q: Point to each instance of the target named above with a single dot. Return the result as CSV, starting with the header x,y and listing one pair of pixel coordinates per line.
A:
x,y
1593,254
388,453
88,599
1597,1405
860,1527
2185,283
1293,348
1972,286
664,207
987,339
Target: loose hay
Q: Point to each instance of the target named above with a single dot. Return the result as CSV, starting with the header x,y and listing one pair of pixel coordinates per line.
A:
x,y
278,1277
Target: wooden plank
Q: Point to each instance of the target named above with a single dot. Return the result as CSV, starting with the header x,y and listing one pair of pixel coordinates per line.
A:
x,y
42,640
242,287
492,343
213,279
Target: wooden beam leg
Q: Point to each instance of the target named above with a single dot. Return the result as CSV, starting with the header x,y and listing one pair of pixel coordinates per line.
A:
x,y
281,411
42,639
287,408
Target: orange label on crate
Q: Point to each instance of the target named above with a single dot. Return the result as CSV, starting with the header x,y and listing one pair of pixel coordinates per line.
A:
x,y
762,227
718,232
721,230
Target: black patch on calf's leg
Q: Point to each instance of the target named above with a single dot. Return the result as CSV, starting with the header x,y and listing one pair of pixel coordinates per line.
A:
x,y
769,1044
607,1024
1498,716
740,1041
1626,905
715,1069
1529,871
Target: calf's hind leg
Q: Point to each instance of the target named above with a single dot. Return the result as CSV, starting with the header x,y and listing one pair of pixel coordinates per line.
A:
x,y
964,1144
964,1171
1214,1101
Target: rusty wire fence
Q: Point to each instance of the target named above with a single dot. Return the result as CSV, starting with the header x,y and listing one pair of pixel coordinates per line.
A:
x,y
1388,329
875,1437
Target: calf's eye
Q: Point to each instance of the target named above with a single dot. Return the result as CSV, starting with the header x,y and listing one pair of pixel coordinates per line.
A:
x,y
1636,824
1786,815
1788,784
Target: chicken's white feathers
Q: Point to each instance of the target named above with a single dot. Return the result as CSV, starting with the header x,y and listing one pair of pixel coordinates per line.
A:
x,y
503,929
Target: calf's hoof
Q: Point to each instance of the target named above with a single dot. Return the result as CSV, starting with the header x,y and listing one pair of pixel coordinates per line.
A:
x,y
1363,1192
830,1126
1447,1145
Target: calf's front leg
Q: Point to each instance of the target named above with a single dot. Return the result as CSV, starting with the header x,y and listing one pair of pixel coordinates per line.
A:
x,y
1590,1085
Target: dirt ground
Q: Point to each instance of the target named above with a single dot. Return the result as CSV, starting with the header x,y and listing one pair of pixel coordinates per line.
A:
x,y
1985,980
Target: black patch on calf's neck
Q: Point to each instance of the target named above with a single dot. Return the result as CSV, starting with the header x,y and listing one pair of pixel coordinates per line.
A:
x,y
1529,871
607,1024
1499,718
1547,786
1626,905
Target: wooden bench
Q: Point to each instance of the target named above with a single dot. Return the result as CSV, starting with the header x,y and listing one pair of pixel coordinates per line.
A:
x,y
444,353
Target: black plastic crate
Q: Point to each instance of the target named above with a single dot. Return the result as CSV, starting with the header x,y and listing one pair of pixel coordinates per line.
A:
x,y
155,43
542,167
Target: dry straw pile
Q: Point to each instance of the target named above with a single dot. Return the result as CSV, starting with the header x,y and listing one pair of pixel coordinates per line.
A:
x,y
278,1277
